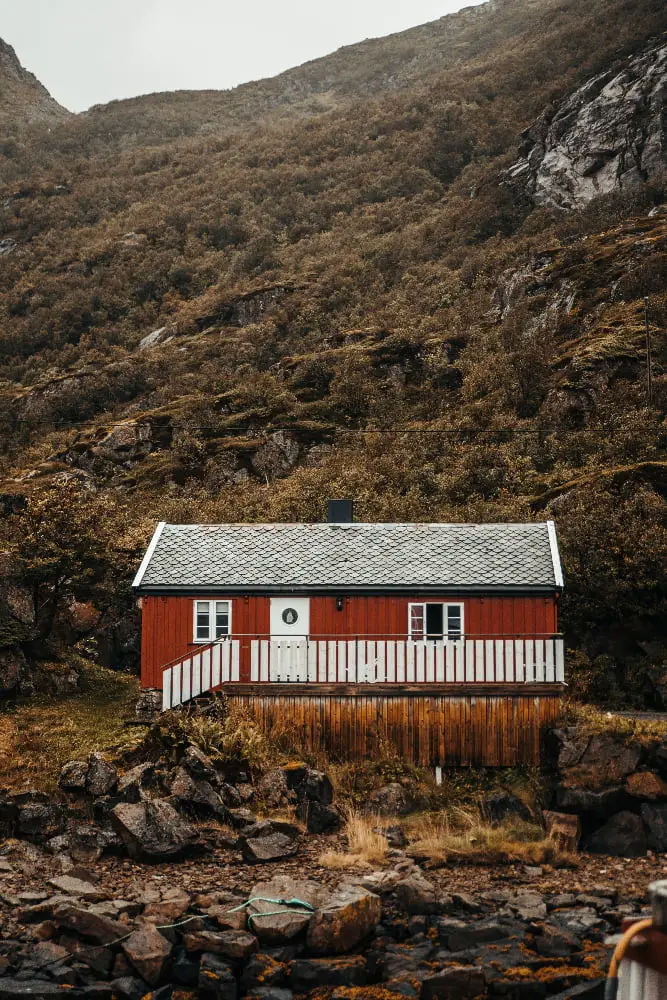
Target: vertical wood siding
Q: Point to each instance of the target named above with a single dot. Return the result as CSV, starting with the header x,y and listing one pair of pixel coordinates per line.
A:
x,y
426,728
167,622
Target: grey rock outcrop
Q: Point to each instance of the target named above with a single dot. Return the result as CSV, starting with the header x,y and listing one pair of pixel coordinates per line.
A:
x,y
607,136
153,830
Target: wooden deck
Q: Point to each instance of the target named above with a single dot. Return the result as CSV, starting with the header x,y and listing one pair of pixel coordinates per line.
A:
x,y
478,725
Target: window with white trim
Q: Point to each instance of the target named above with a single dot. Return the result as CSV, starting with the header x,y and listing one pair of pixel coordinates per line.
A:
x,y
212,620
435,620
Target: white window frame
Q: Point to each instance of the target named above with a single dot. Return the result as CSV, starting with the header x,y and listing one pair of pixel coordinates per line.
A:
x,y
445,620
211,621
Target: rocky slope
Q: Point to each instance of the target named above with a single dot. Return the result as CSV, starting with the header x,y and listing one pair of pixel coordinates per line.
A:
x,y
23,99
252,909
609,135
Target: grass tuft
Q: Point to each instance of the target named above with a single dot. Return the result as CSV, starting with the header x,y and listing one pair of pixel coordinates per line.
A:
x,y
461,835
366,847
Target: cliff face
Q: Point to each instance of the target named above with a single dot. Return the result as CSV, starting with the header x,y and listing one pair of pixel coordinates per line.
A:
x,y
23,99
608,135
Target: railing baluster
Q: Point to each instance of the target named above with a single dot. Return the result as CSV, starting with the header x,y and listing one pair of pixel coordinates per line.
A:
x,y
549,675
166,690
235,654
560,661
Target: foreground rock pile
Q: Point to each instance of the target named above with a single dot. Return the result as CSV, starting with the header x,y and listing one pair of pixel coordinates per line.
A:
x,y
390,933
150,812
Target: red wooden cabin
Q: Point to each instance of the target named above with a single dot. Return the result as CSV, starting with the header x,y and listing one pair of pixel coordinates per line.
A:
x,y
325,623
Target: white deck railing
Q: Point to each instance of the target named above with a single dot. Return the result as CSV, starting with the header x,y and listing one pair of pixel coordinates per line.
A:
x,y
199,672
405,661
469,660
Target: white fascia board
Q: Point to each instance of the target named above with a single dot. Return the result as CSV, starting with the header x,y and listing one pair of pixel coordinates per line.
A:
x,y
555,555
149,552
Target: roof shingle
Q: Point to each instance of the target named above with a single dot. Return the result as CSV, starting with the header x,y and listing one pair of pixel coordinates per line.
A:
x,y
352,556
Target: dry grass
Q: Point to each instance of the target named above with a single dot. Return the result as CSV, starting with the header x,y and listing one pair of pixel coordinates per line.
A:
x,y
462,836
39,736
232,735
594,720
366,847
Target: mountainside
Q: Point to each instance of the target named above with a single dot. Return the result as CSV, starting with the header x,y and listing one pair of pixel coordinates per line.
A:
x,y
349,281
23,99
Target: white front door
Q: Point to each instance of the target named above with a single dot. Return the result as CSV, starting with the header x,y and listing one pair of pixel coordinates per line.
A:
x,y
290,617
290,625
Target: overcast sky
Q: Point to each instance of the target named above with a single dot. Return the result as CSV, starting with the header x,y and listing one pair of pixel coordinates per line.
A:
x,y
91,51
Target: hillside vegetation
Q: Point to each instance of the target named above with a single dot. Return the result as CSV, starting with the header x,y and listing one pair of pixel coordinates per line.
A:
x,y
346,296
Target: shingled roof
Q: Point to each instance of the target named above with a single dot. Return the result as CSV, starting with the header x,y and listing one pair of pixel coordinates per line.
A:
x,y
268,558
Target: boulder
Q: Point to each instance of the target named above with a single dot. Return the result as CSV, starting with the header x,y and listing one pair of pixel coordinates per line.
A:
x,y
283,922
314,786
216,979
128,988
226,919
95,956
455,983
307,974
596,804
86,891
319,818
230,796
622,836
148,706
36,989
233,945
86,842
148,952
564,829
38,818
274,790
350,915
655,818
382,882
170,908
415,894
262,971
197,795
597,761
551,941
268,843
460,935
199,766
528,905
98,928
502,805
153,830
133,783
660,756
73,776
101,777
646,785
390,800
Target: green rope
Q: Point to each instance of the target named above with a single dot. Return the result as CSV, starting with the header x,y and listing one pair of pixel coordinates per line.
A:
x,y
291,905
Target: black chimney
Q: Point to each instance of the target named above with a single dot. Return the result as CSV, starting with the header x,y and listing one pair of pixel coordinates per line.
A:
x,y
340,511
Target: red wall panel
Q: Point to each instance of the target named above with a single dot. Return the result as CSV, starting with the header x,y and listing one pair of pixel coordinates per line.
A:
x,y
167,622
